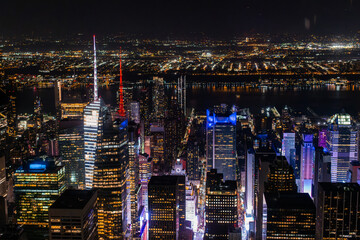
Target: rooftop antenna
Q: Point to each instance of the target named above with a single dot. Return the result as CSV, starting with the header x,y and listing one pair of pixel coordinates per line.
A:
x,y
95,73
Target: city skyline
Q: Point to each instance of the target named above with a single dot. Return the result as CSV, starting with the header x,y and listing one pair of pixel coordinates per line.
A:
x,y
201,120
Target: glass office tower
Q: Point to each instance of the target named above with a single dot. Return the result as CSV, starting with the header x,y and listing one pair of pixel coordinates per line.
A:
x,y
221,143
37,184
307,164
342,143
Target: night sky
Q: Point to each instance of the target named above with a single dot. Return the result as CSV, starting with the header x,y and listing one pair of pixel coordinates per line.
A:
x,y
222,17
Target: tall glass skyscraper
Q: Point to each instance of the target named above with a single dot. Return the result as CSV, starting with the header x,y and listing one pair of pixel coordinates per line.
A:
x,y
221,142
93,124
343,144
37,184
107,164
71,144
288,147
307,164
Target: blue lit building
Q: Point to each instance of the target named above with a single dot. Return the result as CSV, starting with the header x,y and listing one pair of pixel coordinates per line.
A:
x,y
221,143
288,150
37,184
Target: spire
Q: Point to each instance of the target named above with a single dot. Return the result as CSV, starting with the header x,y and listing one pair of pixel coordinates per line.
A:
x,y
95,73
121,110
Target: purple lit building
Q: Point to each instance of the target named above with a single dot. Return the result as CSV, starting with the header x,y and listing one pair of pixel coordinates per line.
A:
x,y
307,164
322,138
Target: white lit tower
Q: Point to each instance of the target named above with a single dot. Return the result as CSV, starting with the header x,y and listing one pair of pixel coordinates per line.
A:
x,y
93,122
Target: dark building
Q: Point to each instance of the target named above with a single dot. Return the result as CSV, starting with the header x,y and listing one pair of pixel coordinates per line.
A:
x,y
281,177
322,168
288,216
263,158
221,206
73,216
338,211
192,161
166,207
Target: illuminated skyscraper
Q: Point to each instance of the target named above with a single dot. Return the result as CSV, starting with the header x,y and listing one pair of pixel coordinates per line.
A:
x,y
71,144
221,142
338,211
135,112
343,144
94,115
11,114
307,163
158,101
288,216
37,184
144,175
72,110
221,206
322,138
166,207
157,145
111,173
288,147
133,172
280,177
73,216
192,161
107,164
249,189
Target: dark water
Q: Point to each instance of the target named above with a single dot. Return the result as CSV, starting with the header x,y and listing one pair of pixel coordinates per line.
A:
x,y
324,100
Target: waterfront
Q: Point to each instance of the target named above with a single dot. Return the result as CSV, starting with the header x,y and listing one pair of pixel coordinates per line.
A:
x,y
324,100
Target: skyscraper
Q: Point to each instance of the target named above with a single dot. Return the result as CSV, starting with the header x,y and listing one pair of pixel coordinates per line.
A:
x,y
192,161
288,216
307,163
135,112
73,216
71,144
166,207
249,189
111,175
37,184
106,164
343,145
288,147
157,146
221,142
133,172
94,115
221,206
338,211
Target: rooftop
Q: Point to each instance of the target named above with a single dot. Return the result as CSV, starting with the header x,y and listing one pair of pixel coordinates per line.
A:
x,y
73,199
340,187
164,180
284,200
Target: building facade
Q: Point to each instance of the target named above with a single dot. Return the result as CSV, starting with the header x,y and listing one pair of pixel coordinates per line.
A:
x,y
37,184
221,143
73,216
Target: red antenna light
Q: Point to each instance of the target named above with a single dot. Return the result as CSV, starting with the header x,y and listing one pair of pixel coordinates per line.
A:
x,y
121,110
